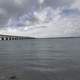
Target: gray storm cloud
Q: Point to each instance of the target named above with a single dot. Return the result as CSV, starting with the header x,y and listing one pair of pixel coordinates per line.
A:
x,y
15,8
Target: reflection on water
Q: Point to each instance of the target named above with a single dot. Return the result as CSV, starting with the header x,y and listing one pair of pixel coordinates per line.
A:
x,y
40,59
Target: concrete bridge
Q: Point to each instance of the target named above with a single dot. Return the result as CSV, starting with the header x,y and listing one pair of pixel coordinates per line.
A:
x,y
10,37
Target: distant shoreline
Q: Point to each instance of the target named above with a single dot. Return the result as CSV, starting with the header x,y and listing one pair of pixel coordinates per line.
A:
x,y
27,37
59,38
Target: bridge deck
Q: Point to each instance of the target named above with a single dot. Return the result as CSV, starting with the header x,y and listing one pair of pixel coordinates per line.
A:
x,y
11,37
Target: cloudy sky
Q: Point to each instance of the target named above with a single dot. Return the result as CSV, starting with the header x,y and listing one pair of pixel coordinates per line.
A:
x,y
63,13
15,8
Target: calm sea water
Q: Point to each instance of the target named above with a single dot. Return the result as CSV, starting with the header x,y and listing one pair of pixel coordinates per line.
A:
x,y
40,59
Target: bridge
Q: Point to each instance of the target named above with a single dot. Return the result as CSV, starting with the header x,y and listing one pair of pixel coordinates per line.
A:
x,y
11,37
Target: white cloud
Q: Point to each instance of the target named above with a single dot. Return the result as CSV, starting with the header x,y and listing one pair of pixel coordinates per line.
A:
x,y
50,22
57,26
76,4
41,1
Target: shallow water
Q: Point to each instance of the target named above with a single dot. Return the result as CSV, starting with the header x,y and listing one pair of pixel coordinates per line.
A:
x,y
40,59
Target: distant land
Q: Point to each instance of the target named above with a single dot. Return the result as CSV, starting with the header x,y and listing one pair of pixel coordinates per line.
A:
x,y
27,37
58,37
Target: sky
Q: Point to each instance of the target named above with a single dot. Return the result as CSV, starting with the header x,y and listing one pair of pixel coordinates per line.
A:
x,y
61,16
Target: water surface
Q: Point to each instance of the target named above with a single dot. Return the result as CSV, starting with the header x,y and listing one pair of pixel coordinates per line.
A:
x,y
40,59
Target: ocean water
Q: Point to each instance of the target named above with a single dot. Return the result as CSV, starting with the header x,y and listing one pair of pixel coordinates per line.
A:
x,y
40,59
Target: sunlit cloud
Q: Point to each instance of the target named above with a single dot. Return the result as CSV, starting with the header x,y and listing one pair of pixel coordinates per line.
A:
x,y
41,1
